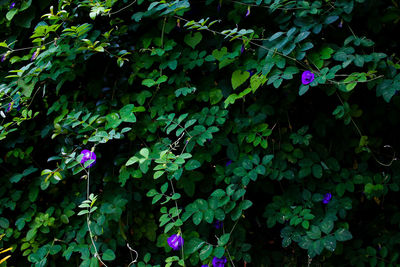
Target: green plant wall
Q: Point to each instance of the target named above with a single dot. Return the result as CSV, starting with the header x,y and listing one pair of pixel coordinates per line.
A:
x,y
187,133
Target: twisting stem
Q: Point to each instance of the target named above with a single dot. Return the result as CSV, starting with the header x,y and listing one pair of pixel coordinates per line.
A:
x,y
130,250
253,43
96,253
372,153
177,210
125,7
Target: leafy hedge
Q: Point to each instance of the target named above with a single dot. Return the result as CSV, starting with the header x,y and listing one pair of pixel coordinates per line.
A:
x,y
203,128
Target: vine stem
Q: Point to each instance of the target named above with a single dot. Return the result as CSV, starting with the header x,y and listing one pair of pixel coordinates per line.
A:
x,y
361,135
253,43
88,220
30,47
177,209
125,7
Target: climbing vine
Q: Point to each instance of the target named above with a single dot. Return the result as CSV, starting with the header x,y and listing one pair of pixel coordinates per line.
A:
x,y
199,133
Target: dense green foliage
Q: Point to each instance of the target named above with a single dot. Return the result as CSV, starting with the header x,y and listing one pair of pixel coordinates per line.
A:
x,y
197,113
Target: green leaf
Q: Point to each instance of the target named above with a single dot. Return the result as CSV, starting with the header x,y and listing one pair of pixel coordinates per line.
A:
x,y
206,252
64,219
192,164
4,222
215,96
127,114
245,204
31,233
317,247
340,189
305,224
10,14
209,215
113,120
308,216
144,152
148,82
219,252
83,212
223,240
305,242
197,217
314,233
94,262
132,160
301,36
317,170
326,226
158,174
238,78
343,235
193,245
276,36
303,89
20,223
193,39
329,243
27,89
108,255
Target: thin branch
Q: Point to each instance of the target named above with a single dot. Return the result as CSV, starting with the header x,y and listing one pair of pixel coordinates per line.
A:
x,y
372,153
113,13
177,209
253,43
96,253
28,48
132,250
265,6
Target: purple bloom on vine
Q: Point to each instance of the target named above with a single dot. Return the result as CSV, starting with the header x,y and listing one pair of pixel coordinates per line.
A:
x,y
3,58
251,72
242,49
340,24
218,224
307,77
175,242
327,198
10,105
12,5
34,56
229,162
248,12
88,155
219,262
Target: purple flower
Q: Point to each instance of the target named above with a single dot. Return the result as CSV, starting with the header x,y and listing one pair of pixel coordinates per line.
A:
x,y
88,155
218,224
307,77
251,72
228,163
34,56
175,242
327,198
3,58
248,11
204,265
12,5
242,49
219,262
10,105
340,24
